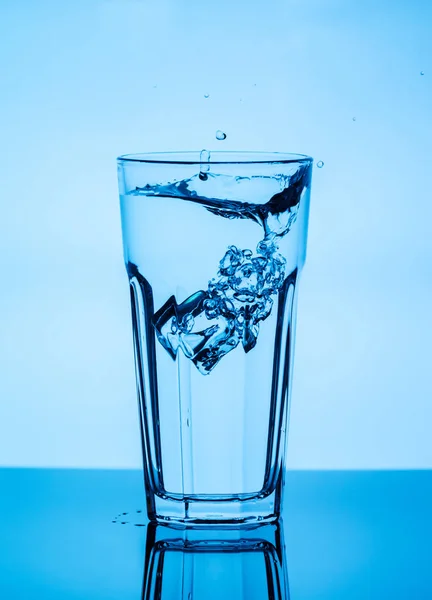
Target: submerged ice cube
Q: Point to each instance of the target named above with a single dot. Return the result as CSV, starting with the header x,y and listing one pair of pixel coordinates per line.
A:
x,y
208,325
186,326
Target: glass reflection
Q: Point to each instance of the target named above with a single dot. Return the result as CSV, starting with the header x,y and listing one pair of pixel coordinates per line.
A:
x,y
211,564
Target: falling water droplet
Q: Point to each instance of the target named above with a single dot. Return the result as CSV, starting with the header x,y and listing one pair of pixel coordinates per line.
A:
x,y
206,95
421,72
113,521
320,164
154,87
220,135
354,118
123,522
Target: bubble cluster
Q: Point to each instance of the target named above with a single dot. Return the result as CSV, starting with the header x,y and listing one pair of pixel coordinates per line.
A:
x,y
243,291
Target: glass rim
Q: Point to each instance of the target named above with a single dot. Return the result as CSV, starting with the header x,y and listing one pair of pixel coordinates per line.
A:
x,y
247,157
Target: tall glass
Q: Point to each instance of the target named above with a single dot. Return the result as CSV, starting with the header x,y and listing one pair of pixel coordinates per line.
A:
x,y
214,244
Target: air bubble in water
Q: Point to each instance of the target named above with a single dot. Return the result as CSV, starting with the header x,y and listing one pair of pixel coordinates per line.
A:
x,y
220,135
320,164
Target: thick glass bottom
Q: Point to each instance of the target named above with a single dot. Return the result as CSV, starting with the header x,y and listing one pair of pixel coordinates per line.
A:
x,y
226,513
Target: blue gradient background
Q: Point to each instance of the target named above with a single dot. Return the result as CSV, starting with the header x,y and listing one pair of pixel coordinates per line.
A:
x,y
78,89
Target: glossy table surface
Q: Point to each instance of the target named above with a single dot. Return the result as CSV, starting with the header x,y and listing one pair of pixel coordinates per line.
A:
x,y
348,535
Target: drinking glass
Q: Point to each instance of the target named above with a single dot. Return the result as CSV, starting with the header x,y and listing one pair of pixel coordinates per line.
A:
x,y
214,243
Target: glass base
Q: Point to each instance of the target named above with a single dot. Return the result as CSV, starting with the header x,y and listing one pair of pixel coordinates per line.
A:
x,y
227,513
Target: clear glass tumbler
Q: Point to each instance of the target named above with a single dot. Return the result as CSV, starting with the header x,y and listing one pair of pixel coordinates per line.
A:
x,y
214,244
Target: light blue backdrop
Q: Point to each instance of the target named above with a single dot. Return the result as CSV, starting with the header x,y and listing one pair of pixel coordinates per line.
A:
x,y
78,88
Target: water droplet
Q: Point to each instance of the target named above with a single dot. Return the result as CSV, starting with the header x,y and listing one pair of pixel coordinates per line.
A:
x,y
354,118
123,522
113,521
206,95
154,87
187,422
124,513
421,72
204,164
220,135
139,511
254,84
320,164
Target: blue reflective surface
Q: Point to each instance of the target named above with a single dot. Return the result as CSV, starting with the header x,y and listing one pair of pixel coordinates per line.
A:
x,y
347,535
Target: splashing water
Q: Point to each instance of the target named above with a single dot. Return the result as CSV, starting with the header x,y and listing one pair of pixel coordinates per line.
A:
x,y
220,135
320,164
212,322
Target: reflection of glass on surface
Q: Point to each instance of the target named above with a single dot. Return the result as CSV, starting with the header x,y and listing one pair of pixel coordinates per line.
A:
x,y
211,564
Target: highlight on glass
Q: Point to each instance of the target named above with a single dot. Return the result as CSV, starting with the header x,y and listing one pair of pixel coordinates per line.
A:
x,y
214,243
